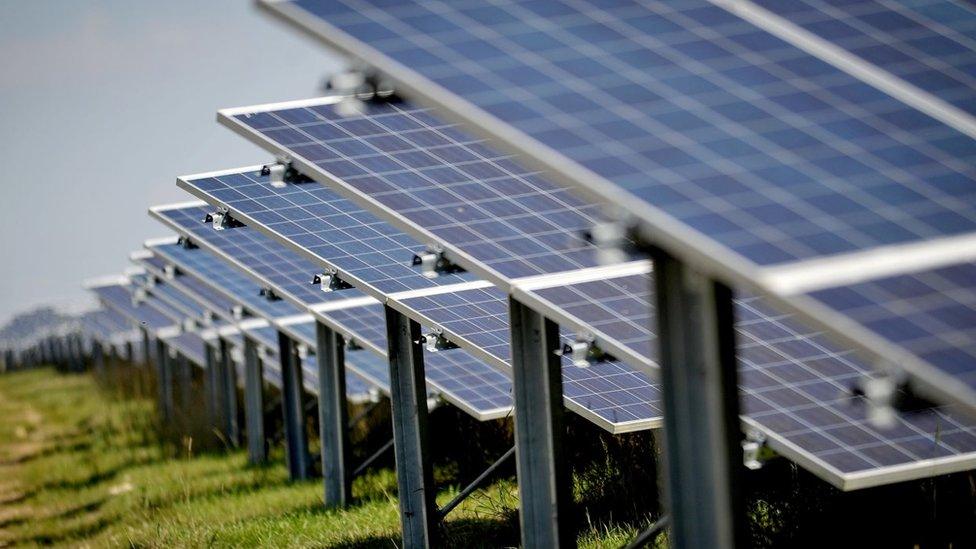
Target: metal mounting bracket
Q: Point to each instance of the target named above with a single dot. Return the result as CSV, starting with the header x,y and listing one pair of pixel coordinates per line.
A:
x,y
169,270
584,351
752,447
432,262
222,219
185,243
435,341
269,294
330,281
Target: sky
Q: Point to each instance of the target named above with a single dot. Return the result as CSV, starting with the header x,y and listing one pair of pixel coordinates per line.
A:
x,y
103,103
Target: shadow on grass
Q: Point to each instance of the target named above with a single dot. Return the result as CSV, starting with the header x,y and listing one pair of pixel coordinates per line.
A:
x,y
471,533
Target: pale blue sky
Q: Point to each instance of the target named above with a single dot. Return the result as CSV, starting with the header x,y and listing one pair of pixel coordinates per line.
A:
x,y
102,104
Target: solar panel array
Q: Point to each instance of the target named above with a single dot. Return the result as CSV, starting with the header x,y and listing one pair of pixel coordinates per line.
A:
x,y
736,147
928,44
796,385
735,141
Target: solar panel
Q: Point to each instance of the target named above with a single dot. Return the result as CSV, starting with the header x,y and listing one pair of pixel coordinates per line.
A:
x,y
595,394
254,253
735,149
119,298
190,284
796,386
930,314
358,389
182,302
494,399
441,184
236,285
105,325
190,345
324,227
930,44
462,379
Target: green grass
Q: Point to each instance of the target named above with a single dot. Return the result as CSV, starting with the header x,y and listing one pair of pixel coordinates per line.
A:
x,y
79,466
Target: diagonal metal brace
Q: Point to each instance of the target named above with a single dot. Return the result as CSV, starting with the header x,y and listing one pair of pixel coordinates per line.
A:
x,y
474,485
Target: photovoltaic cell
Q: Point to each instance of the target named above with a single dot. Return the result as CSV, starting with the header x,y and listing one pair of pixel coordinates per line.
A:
x,y
190,345
931,44
742,136
187,305
326,228
284,270
462,379
235,284
931,314
445,183
797,387
206,293
608,393
119,298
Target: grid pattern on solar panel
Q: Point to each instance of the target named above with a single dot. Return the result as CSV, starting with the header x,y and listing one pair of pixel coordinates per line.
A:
x,y
199,289
177,299
191,346
209,266
610,390
742,136
368,251
120,298
929,44
266,336
794,383
444,181
931,314
357,388
371,366
283,269
798,386
465,380
111,322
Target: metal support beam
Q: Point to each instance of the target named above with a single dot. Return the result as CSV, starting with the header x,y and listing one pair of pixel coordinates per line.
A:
x,y
257,442
183,375
375,456
545,490
474,484
415,480
147,350
701,400
293,410
333,417
129,353
211,389
227,387
164,377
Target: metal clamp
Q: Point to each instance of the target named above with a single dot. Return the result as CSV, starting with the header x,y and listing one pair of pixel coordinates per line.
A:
x,y
185,243
222,219
432,262
237,311
329,281
138,296
435,341
302,350
613,241
752,447
583,351
881,393
269,294
283,172
359,86
169,270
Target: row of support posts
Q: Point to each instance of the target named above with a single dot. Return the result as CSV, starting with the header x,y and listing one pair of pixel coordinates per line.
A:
x,y
701,439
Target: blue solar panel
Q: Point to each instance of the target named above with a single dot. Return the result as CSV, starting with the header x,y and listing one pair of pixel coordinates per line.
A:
x,y
463,380
931,44
795,385
448,185
284,270
235,284
191,346
190,284
119,298
608,393
931,314
741,136
187,305
326,228
104,325
358,389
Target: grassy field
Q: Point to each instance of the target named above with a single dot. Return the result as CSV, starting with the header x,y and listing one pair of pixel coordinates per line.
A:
x,y
79,466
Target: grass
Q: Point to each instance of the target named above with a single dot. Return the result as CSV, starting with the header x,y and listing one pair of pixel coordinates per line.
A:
x,y
82,466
